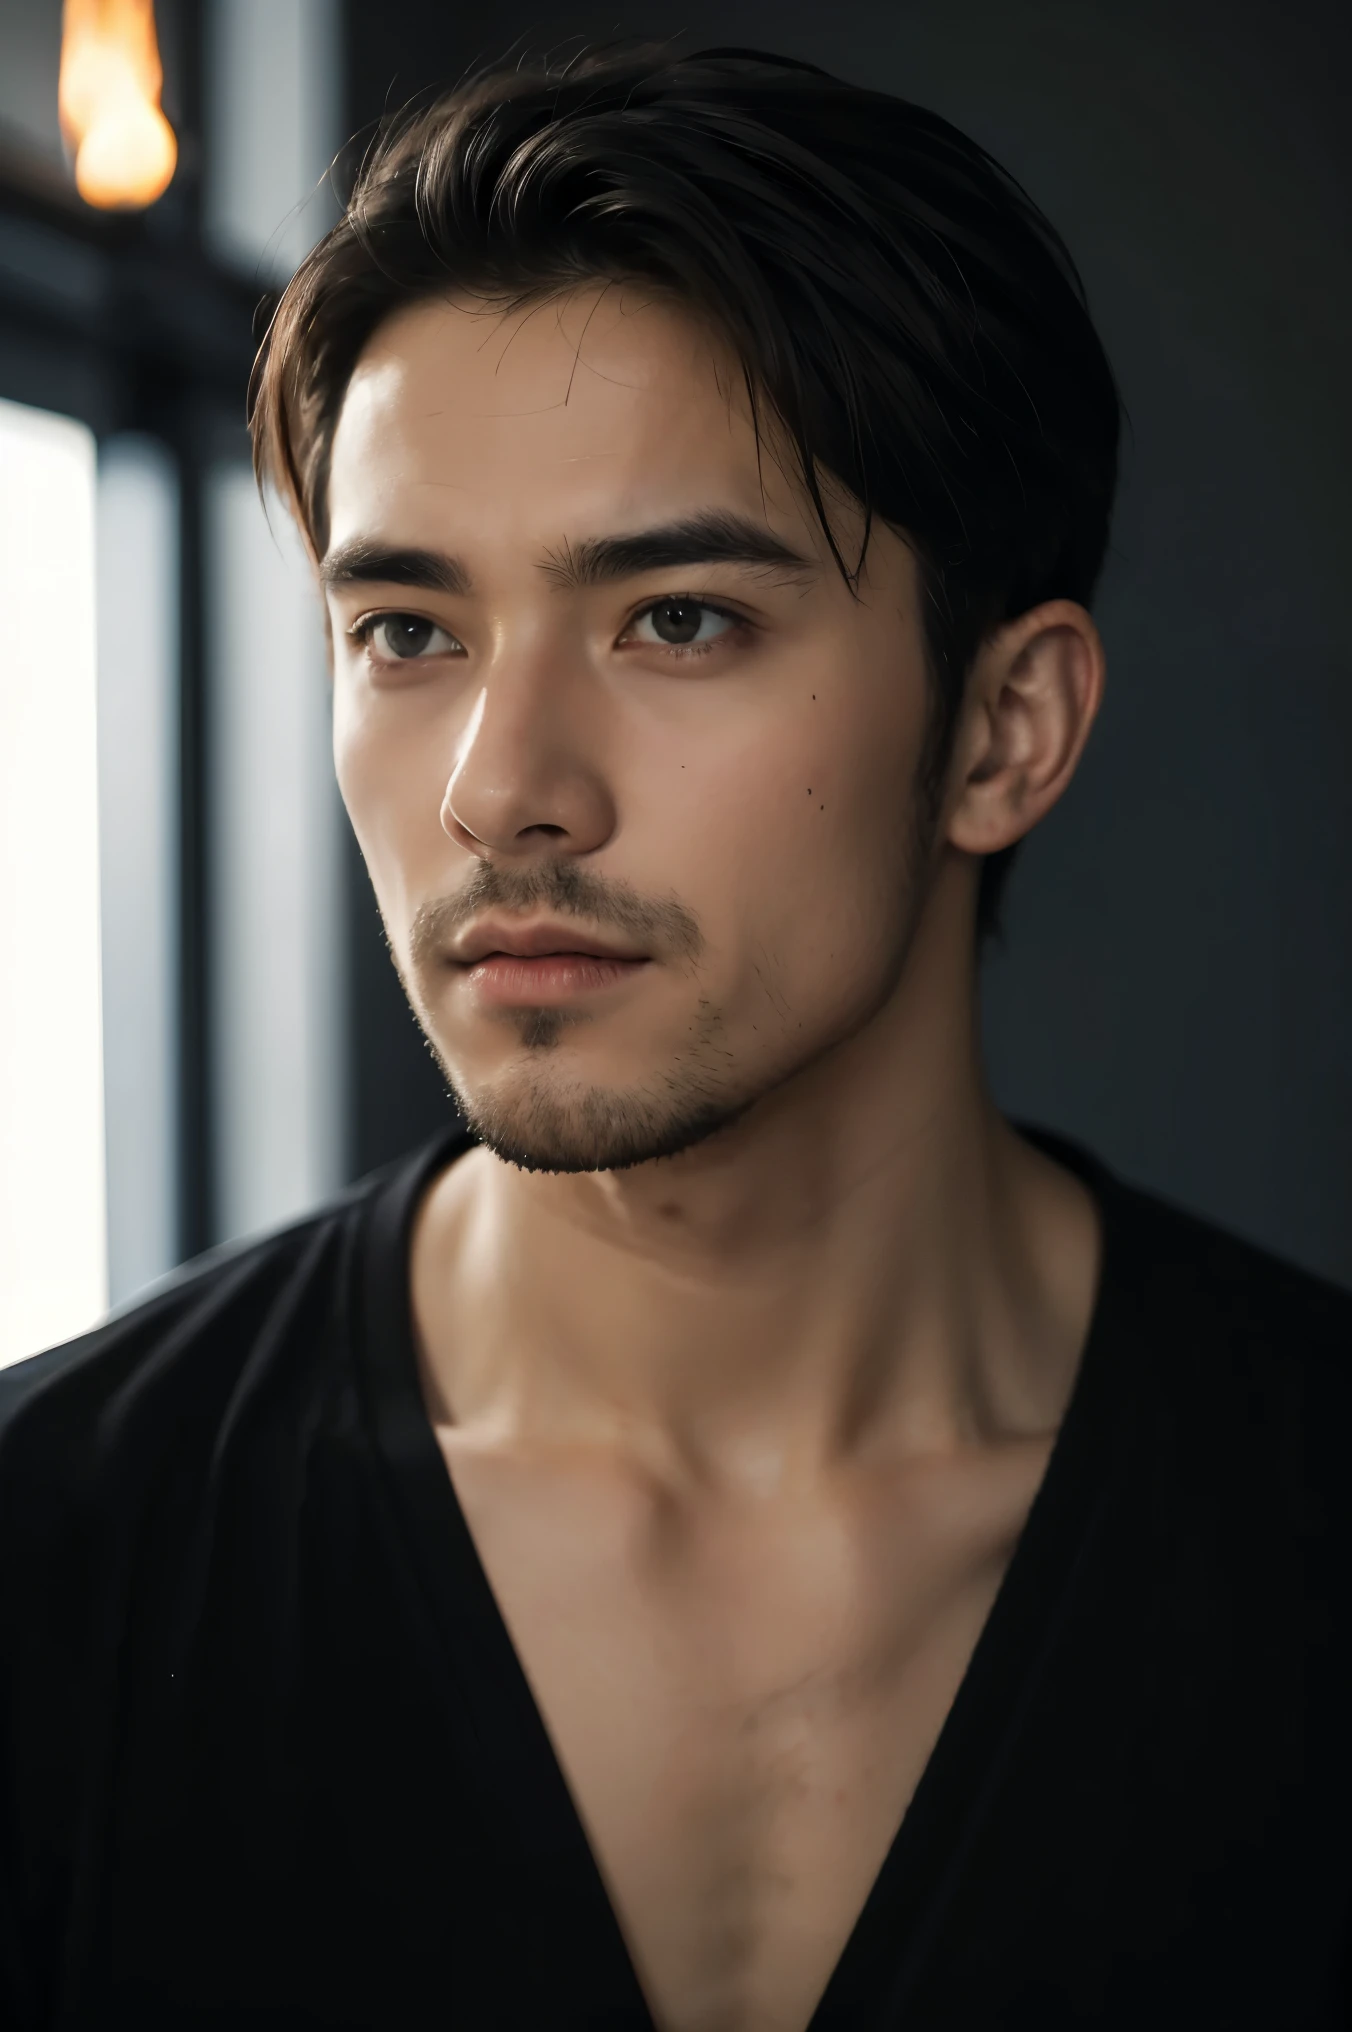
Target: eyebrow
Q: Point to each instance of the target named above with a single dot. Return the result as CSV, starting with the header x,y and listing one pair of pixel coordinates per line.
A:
x,y
714,537
363,563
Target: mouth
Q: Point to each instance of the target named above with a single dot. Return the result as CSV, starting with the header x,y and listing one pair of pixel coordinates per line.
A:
x,y
540,965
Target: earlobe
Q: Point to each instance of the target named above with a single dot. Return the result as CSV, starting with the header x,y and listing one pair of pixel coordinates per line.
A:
x,y
1033,693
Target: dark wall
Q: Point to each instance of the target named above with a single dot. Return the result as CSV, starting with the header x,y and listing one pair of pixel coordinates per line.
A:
x,y
1176,983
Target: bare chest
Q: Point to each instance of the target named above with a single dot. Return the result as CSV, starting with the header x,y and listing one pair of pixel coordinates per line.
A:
x,y
742,1703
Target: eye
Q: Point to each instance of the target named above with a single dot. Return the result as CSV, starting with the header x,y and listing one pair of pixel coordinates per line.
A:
x,y
678,622
403,638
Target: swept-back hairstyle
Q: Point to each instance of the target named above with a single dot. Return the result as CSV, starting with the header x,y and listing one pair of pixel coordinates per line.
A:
x,y
902,310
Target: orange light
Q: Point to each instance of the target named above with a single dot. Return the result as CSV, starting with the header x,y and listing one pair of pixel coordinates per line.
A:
x,y
109,98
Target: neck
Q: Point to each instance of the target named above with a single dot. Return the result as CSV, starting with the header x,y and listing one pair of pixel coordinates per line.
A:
x,y
870,1258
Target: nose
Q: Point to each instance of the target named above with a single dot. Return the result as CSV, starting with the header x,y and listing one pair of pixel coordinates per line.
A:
x,y
528,775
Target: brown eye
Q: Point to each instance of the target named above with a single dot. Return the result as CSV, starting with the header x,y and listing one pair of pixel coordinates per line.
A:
x,y
677,620
680,623
404,637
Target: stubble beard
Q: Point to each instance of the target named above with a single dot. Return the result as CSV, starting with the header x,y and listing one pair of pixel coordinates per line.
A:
x,y
533,1119
531,1114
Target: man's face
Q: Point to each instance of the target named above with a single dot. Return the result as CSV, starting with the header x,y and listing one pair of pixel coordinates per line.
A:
x,y
633,771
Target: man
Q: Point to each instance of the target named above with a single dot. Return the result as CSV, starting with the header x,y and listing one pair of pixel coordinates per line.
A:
x,y
740,1537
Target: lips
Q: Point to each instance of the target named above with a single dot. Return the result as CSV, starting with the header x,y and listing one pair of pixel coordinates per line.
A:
x,y
508,968
500,940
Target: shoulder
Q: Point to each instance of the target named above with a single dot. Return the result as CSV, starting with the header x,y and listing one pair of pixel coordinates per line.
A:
x,y
1195,1288
110,1458
1241,1366
1207,1288
1229,1365
172,1358
163,1379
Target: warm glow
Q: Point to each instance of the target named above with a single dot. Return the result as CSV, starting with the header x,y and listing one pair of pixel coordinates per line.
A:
x,y
125,149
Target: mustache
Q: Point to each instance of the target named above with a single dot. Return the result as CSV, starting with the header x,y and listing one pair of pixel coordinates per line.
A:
x,y
563,890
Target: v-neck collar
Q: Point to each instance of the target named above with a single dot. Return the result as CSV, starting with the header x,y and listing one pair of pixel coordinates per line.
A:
x,y
542,1833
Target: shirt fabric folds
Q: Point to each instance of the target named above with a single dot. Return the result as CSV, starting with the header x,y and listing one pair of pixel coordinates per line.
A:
x,y
268,1758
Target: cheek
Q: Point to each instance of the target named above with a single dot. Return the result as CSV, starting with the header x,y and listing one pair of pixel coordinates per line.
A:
x,y
806,853
387,761
826,798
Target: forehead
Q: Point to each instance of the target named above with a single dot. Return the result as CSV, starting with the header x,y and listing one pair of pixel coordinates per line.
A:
x,y
595,411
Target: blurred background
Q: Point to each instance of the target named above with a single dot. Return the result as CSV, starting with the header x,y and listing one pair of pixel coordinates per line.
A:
x,y
200,1032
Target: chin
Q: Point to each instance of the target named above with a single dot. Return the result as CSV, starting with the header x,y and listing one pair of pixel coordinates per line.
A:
x,y
539,1126
562,1103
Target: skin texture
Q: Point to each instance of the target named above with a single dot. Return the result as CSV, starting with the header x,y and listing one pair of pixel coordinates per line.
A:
x,y
747,1333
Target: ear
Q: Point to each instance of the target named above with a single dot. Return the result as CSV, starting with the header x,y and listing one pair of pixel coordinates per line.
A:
x,y
1032,696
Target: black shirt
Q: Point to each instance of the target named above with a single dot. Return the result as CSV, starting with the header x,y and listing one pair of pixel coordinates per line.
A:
x,y
269,1757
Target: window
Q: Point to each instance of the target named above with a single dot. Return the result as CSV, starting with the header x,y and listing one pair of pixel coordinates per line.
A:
x,y
139,742
53,1248
171,993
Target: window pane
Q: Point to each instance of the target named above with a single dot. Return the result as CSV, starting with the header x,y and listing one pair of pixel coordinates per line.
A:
x,y
273,124
139,836
53,1271
277,983
28,79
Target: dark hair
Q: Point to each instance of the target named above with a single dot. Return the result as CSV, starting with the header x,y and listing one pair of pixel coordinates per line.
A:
x,y
914,325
